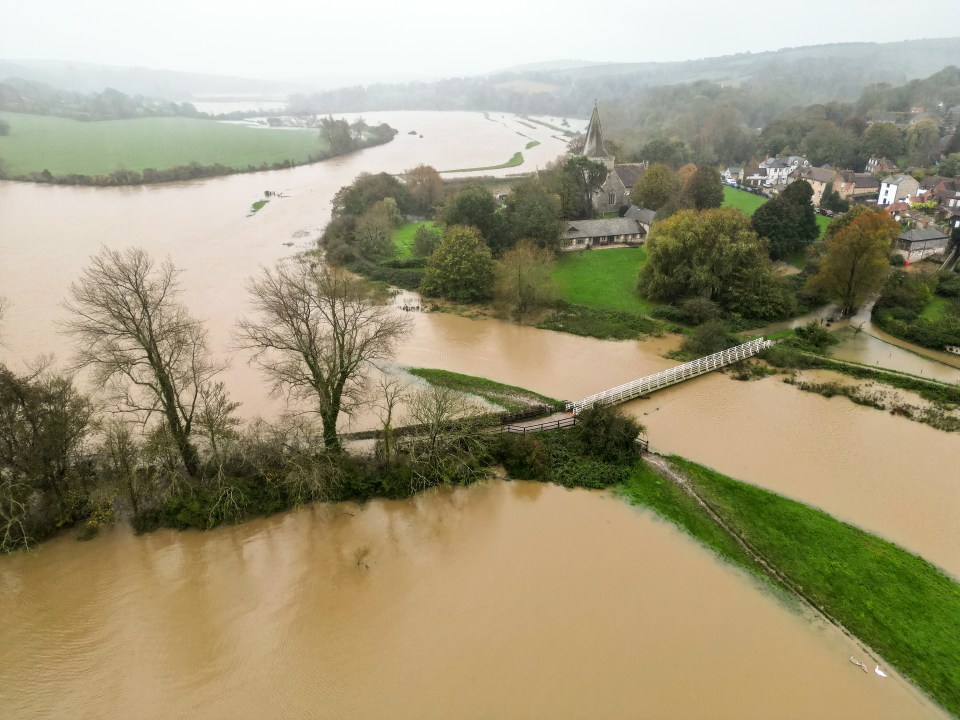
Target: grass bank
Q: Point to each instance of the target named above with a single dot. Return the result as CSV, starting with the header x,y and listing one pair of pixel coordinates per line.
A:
x,y
508,397
515,161
65,147
602,279
898,603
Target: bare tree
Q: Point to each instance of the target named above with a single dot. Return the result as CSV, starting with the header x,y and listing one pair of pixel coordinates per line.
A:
x,y
522,278
319,331
450,440
391,392
141,342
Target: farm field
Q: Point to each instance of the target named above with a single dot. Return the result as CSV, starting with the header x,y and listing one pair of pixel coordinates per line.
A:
x,y
64,146
602,279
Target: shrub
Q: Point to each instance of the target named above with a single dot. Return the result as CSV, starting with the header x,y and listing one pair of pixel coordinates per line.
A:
x,y
523,456
708,338
608,434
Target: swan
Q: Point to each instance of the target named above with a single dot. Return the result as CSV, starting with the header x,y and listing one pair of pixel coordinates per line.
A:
x,y
879,672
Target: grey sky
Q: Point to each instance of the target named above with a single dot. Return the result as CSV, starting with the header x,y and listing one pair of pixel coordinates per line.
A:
x,y
410,39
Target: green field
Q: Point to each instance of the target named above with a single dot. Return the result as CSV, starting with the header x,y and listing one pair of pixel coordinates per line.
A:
x,y
896,602
602,279
403,238
516,160
63,146
935,309
748,202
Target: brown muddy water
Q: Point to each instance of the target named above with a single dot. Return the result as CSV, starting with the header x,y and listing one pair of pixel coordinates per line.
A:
x,y
504,600
498,601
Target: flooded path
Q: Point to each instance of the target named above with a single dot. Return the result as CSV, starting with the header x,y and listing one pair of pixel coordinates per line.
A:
x,y
507,600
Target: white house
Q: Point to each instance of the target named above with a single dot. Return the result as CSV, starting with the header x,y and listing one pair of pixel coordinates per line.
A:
x,y
897,187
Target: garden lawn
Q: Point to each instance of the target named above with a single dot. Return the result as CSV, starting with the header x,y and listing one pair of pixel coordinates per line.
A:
x,y
935,309
65,146
602,279
403,238
748,202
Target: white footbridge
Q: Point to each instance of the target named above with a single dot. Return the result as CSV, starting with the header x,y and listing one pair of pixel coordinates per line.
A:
x,y
671,376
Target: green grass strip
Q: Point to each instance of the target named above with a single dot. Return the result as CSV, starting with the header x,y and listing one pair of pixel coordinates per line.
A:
x,y
65,146
508,397
650,489
604,279
902,606
403,238
516,160
532,144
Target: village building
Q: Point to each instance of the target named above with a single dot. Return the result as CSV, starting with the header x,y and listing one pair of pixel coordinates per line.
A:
x,y
613,194
921,243
859,187
819,178
894,188
783,170
629,173
880,165
584,234
643,216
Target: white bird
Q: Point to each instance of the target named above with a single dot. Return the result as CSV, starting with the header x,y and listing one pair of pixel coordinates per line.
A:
x,y
879,672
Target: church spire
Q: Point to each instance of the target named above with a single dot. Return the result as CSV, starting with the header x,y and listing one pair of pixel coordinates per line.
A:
x,y
593,146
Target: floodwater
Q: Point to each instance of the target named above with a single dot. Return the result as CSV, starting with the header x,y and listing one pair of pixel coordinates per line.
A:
x,y
504,600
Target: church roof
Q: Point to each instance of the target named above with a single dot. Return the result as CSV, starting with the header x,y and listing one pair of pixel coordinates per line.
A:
x,y
593,146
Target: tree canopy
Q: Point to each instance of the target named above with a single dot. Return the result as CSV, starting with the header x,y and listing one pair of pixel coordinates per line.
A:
x,y
715,255
475,206
704,189
461,268
655,187
589,176
856,261
788,221
523,277
534,213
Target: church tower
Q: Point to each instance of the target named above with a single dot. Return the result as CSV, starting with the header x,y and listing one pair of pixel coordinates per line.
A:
x,y
613,194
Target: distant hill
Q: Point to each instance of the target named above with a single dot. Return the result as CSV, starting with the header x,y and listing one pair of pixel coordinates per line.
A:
x,y
165,84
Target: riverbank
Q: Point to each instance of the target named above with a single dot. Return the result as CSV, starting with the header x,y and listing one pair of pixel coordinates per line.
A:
x,y
900,605
45,149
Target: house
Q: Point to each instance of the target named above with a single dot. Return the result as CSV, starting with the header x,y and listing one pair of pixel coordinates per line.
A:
x,y
819,178
612,195
782,170
897,187
880,165
859,187
753,176
921,243
583,234
643,216
731,176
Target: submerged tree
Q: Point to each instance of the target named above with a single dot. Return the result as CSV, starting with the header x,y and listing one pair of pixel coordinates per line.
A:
x,y
142,343
319,330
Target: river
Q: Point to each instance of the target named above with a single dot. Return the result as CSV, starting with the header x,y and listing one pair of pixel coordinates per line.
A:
x,y
503,600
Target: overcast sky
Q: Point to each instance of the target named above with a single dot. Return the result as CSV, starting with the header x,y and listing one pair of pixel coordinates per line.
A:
x,y
421,39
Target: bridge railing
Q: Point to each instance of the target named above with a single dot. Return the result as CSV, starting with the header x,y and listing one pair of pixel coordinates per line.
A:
x,y
671,376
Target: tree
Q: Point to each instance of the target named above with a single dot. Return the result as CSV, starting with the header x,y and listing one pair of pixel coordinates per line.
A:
x,y
882,139
831,200
826,143
337,135
474,206
704,189
366,189
715,255
923,143
788,221
374,230
142,343
589,176
425,186
856,261
425,241
671,153
655,187
43,421
319,330
391,393
450,441
461,268
523,277
532,212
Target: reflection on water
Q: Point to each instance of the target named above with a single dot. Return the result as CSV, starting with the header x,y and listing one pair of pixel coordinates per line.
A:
x,y
506,600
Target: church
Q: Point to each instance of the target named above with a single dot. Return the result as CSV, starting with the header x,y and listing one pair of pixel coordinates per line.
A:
x,y
615,192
